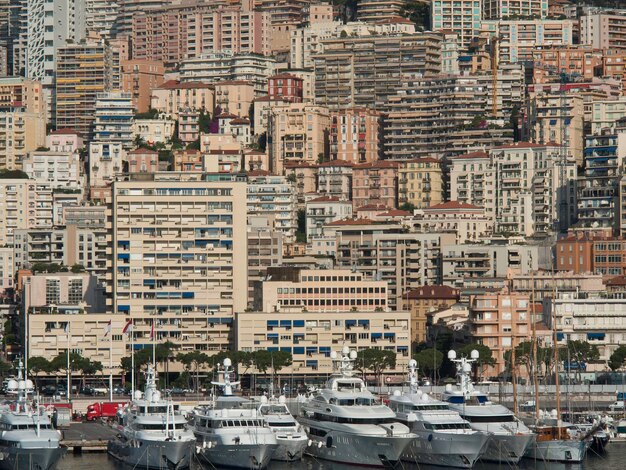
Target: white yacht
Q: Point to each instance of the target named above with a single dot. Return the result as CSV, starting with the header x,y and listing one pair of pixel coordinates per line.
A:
x,y
231,432
152,432
346,423
290,436
28,440
443,437
509,436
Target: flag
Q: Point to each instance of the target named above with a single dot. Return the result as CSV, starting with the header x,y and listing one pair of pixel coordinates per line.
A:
x,y
152,330
107,329
67,328
128,328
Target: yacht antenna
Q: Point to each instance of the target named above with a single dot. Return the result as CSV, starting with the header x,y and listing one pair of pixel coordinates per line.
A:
x,y
413,376
463,369
227,385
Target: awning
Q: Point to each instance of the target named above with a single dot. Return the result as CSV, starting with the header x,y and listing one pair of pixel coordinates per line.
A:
x,y
350,322
595,335
271,323
376,335
298,323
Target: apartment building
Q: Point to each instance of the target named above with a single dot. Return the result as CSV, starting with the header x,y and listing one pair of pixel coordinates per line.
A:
x,y
501,9
334,179
114,116
265,249
163,34
500,321
6,272
364,71
64,140
582,253
274,198
543,284
24,204
424,301
83,70
234,97
323,210
472,182
520,37
305,176
139,77
578,60
420,182
604,29
463,263
66,246
143,161
599,185
461,17
355,135
607,114
172,97
375,183
385,251
228,65
311,337
448,115
24,93
306,41
557,116
376,11
297,132
179,243
21,132
468,222
153,131
60,170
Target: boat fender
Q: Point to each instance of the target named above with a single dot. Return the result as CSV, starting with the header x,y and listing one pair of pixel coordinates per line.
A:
x,y
430,437
320,444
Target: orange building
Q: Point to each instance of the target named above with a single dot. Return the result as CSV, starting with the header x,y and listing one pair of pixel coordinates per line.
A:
x,y
354,135
580,61
375,183
425,300
139,77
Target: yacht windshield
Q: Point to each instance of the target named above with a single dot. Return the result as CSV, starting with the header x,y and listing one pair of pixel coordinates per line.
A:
x,y
474,400
282,424
429,407
158,427
445,426
352,401
274,410
490,419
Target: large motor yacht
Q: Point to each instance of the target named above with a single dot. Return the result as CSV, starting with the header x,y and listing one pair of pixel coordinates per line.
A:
x,y
443,437
231,432
152,432
28,438
290,436
347,424
509,436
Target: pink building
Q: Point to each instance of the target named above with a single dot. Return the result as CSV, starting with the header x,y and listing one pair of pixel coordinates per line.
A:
x,y
256,160
375,183
64,140
172,96
354,135
164,34
285,87
143,161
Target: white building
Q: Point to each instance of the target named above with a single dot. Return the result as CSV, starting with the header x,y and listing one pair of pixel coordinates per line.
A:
x,y
60,170
105,161
469,222
605,114
323,210
114,118
50,23
25,204
154,131
275,198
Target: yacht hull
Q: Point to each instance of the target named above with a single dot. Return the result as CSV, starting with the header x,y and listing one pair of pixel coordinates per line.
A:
x,y
446,449
355,449
173,455
16,458
507,448
290,449
557,451
249,456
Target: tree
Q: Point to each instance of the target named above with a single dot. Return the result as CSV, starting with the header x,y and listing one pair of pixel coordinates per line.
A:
x,y
204,122
377,360
617,359
301,231
59,363
578,352
193,359
429,362
407,206
38,364
78,268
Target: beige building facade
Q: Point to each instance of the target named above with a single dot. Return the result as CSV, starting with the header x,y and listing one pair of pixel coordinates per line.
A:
x,y
420,182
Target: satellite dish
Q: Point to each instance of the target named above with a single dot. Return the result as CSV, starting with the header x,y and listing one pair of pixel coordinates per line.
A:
x,y
397,393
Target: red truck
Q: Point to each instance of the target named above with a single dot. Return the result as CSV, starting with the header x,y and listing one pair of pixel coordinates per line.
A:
x,y
103,409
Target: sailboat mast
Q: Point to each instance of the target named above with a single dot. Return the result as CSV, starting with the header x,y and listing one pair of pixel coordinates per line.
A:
x,y
556,349
534,342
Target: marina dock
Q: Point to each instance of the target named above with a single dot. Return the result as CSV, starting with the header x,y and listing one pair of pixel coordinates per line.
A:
x,y
87,437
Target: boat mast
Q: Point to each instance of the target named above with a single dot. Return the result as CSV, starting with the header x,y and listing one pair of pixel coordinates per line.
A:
x,y
556,351
534,342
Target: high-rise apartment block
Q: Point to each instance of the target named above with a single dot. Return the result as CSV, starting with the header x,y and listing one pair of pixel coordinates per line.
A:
x,y
274,198
462,17
178,257
82,71
139,77
180,31
363,71
604,29
26,204
355,135
503,9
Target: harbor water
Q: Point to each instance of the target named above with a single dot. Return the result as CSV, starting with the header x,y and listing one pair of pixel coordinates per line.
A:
x,y
613,459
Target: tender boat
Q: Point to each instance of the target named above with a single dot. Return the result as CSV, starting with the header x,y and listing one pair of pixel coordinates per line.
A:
x,y
231,432
152,432
510,437
443,437
28,439
290,436
347,424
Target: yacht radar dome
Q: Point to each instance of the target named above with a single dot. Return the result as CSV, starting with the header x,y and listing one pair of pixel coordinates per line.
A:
x,y
452,354
474,354
412,364
333,354
352,354
227,362
346,350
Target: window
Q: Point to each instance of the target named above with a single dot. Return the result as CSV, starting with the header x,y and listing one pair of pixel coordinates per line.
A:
x,y
53,291
75,291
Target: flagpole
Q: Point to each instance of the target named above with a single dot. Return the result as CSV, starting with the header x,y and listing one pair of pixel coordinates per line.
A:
x,y
153,346
69,390
111,369
132,362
